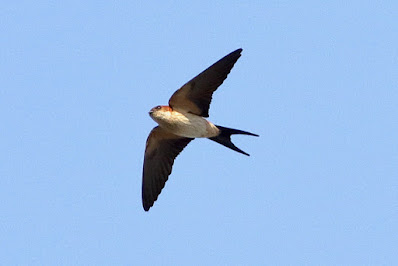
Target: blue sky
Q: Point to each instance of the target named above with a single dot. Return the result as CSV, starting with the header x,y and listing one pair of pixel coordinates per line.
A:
x,y
317,81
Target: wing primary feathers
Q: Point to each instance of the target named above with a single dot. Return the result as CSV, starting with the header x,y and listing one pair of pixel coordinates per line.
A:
x,y
161,149
195,96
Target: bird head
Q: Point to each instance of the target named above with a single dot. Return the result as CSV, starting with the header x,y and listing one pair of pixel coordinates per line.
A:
x,y
160,111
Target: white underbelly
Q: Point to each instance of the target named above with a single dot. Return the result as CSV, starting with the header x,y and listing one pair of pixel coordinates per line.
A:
x,y
189,125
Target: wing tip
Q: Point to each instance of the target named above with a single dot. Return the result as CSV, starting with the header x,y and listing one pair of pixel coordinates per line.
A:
x,y
237,51
146,206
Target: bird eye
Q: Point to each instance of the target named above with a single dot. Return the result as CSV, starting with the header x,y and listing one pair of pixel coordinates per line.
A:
x,y
158,107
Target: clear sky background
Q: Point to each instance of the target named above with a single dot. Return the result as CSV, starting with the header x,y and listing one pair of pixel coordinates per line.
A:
x,y
317,81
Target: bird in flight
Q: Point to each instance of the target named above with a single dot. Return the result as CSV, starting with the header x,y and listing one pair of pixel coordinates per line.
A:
x,y
182,121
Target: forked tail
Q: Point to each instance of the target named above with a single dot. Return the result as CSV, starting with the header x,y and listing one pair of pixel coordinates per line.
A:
x,y
224,138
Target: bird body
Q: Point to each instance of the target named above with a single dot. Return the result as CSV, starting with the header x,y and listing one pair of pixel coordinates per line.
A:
x,y
182,121
183,124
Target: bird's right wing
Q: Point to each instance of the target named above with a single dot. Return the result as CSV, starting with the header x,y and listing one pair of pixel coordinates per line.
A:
x,y
161,149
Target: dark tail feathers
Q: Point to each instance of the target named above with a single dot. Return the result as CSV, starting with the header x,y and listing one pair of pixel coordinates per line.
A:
x,y
224,138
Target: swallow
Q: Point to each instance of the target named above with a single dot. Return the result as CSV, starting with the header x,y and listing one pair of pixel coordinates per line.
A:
x,y
182,121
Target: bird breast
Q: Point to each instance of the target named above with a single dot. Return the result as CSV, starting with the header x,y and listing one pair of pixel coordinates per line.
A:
x,y
186,124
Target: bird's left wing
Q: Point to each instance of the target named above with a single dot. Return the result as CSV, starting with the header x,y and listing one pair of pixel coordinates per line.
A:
x,y
161,149
195,96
